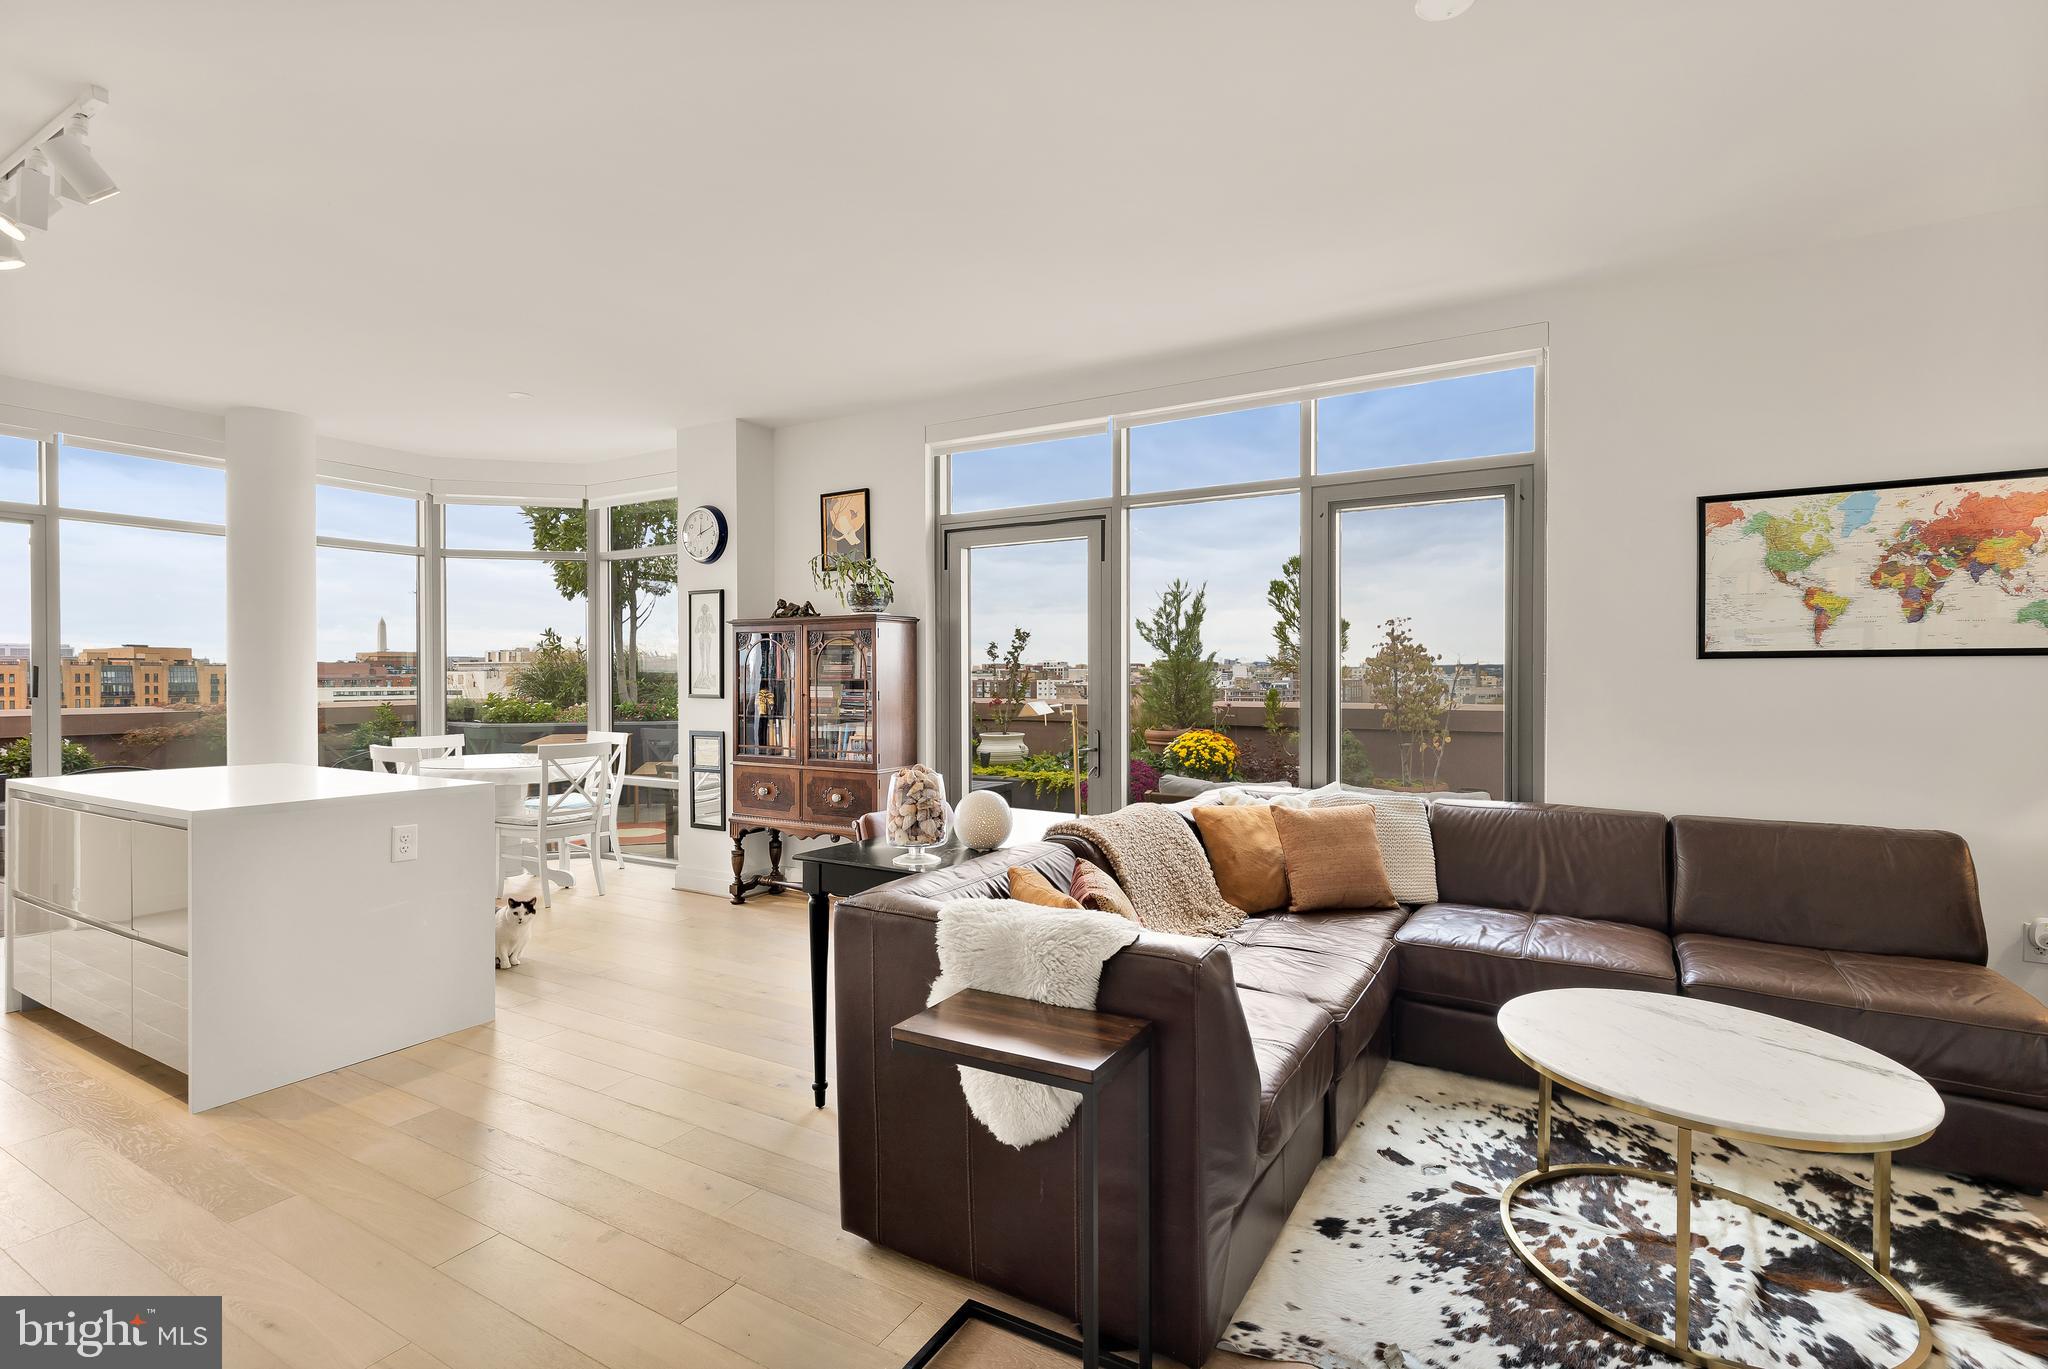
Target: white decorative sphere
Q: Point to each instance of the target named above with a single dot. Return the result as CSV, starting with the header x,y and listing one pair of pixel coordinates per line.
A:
x,y
982,820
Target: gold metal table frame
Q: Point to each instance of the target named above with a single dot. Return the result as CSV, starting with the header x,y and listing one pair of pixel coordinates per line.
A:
x,y
1679,1344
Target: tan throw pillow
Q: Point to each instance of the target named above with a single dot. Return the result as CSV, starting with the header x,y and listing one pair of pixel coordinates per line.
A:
x,y
1332,857
1094,888
1244,854
1028,886
1402,824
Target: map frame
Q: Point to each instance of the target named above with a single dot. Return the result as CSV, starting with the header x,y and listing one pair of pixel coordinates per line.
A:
x,y
1700,531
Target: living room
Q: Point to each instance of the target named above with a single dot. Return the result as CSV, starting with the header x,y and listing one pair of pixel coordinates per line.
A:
x,y
1404,632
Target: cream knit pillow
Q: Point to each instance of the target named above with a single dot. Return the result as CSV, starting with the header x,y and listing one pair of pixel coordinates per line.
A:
x,y
1402,824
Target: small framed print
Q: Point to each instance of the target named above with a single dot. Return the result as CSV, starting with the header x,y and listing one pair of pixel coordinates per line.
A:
x,y
707,781
707,644
843,528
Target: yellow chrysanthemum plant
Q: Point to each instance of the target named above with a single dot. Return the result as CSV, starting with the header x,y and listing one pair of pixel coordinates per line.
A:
x,y
1204,753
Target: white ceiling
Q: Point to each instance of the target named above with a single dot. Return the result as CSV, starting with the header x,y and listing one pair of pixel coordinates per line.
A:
x,y
653,214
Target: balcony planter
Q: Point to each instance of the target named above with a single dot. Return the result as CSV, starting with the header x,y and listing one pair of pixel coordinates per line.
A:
x,y
997,747
1159,738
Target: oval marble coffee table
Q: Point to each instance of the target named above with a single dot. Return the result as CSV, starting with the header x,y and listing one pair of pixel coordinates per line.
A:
x,y
1746,1076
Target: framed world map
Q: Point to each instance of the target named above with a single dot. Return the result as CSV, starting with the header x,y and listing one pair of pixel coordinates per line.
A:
x,y
1955,566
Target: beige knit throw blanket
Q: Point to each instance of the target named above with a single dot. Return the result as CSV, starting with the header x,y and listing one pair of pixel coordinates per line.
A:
x,y
1160,865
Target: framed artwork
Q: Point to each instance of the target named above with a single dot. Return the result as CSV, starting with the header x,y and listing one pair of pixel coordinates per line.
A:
x,y
1946,566
707,643
707,780
843,528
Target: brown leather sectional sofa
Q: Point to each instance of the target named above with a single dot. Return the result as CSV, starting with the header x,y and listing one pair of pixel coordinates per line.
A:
x,y
1268,1043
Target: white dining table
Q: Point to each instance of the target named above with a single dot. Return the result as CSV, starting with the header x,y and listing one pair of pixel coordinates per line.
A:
x,y
512,774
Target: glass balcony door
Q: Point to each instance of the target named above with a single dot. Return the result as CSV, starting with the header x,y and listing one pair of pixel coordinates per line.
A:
x,y
1428,675
1022,689
27,698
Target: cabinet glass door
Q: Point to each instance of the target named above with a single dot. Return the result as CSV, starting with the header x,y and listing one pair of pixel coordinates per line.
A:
x,y
767,685
841,705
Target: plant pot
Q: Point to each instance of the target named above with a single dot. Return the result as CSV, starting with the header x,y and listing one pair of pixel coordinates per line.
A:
x,y
862,599
1158,738
997,747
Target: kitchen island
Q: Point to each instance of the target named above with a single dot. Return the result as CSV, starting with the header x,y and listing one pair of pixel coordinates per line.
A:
x,y
252,925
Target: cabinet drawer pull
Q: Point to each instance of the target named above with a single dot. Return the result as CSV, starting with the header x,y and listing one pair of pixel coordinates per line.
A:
x,y
837,798
764,791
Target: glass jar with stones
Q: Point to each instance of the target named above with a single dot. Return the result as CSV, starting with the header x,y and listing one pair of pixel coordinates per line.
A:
x,y
918,816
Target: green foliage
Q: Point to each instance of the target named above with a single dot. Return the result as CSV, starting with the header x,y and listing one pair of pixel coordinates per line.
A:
x,y
1283,596
378,729
657,701
1014,685
1180,686
1047,772
557,676
638,583
843,575
501,708
1274,726
1353,765
1413,696
15,759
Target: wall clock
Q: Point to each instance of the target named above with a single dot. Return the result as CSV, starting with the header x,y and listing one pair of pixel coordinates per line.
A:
x,y
704,534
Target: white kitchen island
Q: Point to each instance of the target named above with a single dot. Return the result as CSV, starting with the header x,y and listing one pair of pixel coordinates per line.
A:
x,y
252,925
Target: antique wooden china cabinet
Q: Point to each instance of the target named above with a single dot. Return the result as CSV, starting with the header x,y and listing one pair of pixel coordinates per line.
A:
x,y
824,712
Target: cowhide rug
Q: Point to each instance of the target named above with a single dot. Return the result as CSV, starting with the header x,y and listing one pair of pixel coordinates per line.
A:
x,y
1394,1256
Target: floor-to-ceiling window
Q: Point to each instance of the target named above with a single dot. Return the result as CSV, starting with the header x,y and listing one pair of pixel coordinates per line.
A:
x,y
367,625
516,596
642,646
1337,578
142,606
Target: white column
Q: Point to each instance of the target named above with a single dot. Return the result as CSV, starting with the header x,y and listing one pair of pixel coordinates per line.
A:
x,y
272,699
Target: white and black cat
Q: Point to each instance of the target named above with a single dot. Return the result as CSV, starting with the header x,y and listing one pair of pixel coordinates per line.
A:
x,y
516,912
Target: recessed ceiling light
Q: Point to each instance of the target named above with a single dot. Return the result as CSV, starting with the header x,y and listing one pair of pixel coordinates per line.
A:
x,y
1438,10
517,394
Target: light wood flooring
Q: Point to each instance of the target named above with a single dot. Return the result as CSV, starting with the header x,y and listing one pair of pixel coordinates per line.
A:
x,y
625,1169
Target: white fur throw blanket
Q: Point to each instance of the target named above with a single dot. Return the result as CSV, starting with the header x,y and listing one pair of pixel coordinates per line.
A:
x,y
1153,854
1050,955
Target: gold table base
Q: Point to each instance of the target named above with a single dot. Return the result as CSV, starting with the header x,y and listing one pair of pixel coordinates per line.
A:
x,y
1679,1344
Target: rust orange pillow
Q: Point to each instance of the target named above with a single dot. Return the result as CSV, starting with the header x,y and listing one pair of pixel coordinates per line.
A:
x,y
1244,853
1028,886
1333,858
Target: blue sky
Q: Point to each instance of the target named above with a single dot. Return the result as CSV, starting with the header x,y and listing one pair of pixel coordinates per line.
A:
x,y
1440,565
1443,566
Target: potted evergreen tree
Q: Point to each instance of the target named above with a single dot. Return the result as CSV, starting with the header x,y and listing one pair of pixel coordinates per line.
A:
x,y
996,742
1180,687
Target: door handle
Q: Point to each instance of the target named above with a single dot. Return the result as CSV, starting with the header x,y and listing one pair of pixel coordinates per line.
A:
x,y
35,682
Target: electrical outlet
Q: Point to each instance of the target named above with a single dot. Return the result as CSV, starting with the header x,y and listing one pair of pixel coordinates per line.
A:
x,y
2034,941
405,842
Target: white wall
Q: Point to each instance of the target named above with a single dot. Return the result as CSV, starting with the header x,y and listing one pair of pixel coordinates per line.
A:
x,y
1915,353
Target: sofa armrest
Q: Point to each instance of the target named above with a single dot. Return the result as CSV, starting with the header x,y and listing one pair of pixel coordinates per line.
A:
x,y
918,1175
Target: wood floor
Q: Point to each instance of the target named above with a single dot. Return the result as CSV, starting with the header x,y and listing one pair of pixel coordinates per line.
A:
x,y
625,1169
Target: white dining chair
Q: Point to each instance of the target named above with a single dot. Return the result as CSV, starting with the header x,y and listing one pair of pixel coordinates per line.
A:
x,y
621,743
433,748
394,760
581,809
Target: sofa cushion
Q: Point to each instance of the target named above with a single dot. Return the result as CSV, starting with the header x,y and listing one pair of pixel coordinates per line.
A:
x,y
1967,1029
1353,989
1244,855
1876,890
1294,1043
1479,958
1333,858
1359,933
1596,863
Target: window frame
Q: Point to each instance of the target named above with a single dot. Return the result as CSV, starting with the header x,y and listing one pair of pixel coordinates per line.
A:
x,y
1522,472
417,549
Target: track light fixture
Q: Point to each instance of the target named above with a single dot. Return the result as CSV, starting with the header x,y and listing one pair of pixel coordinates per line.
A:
x,y
56,163
84,179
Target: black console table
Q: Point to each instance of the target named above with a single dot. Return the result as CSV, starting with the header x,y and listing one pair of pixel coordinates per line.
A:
x,y
1066,1048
